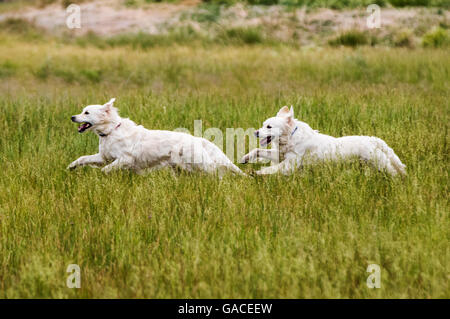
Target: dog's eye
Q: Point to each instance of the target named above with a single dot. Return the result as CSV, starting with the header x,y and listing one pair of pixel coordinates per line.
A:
x,y
269,127
86,112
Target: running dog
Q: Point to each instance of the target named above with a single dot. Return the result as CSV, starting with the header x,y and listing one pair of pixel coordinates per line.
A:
x,y
298,144
123,144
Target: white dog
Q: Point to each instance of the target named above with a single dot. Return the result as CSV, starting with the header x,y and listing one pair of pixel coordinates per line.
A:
x,y
123,144
298,144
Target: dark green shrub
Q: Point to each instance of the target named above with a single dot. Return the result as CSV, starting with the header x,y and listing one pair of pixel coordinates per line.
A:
x,y
404,3
436,38
21,26
243,35
208,13
224,2
43,71
403,38
352,38
7,68
92,75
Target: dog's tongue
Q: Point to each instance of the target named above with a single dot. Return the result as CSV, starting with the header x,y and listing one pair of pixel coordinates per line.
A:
x,y
264,141
82,127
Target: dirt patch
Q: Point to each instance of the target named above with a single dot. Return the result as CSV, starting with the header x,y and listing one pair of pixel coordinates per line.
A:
x,y
105,17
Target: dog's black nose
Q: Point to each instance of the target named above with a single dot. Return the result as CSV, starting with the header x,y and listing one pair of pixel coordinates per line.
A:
x,y
257,133
73,118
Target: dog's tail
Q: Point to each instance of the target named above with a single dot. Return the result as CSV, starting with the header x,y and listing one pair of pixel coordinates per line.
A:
x,y
391,156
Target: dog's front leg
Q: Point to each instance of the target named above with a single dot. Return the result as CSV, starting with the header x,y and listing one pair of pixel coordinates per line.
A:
x,y
95,159
286,167
269,170
116,164
270,154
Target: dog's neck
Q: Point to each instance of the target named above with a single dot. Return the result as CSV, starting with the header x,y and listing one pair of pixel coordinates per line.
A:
x,y
294,134
286,137
108,129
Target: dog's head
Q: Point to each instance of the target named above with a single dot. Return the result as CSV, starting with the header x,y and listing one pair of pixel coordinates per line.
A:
x,y
276,127
95,116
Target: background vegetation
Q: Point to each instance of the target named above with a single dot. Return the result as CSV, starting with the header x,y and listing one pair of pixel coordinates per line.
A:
x,y
438,37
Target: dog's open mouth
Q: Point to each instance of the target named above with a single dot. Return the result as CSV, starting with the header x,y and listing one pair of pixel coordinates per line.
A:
x,y
265,141
83,127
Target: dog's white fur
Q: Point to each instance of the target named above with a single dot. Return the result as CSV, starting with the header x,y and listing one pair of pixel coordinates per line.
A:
x,y
123,144
298,143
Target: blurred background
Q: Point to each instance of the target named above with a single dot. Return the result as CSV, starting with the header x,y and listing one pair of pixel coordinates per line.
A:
x,y
144,23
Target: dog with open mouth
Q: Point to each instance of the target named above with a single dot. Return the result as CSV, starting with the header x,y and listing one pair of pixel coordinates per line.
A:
x,y
124,144
297,144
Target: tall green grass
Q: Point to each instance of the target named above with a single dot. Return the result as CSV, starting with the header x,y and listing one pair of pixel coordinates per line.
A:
x,y
173,234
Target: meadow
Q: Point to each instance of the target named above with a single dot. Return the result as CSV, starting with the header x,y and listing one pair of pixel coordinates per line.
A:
x,y
179,235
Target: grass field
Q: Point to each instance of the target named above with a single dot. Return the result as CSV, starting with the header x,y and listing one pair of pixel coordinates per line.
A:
x,y
172,234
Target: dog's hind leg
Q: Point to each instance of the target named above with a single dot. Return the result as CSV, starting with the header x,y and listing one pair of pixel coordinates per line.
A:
x,y
395,162
377,158
214,159
384,158
381,161
235,169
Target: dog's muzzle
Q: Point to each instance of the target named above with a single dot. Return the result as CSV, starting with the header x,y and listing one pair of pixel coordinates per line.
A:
x,y
83,127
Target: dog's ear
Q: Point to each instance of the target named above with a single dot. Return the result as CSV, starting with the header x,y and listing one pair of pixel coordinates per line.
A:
x,y
108,106
290,115
110,103
283,112
286,112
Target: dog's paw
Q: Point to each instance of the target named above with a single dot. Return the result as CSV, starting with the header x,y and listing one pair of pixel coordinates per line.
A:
x,y
252,173
264,171
72,166
249,157
106,170
245,159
